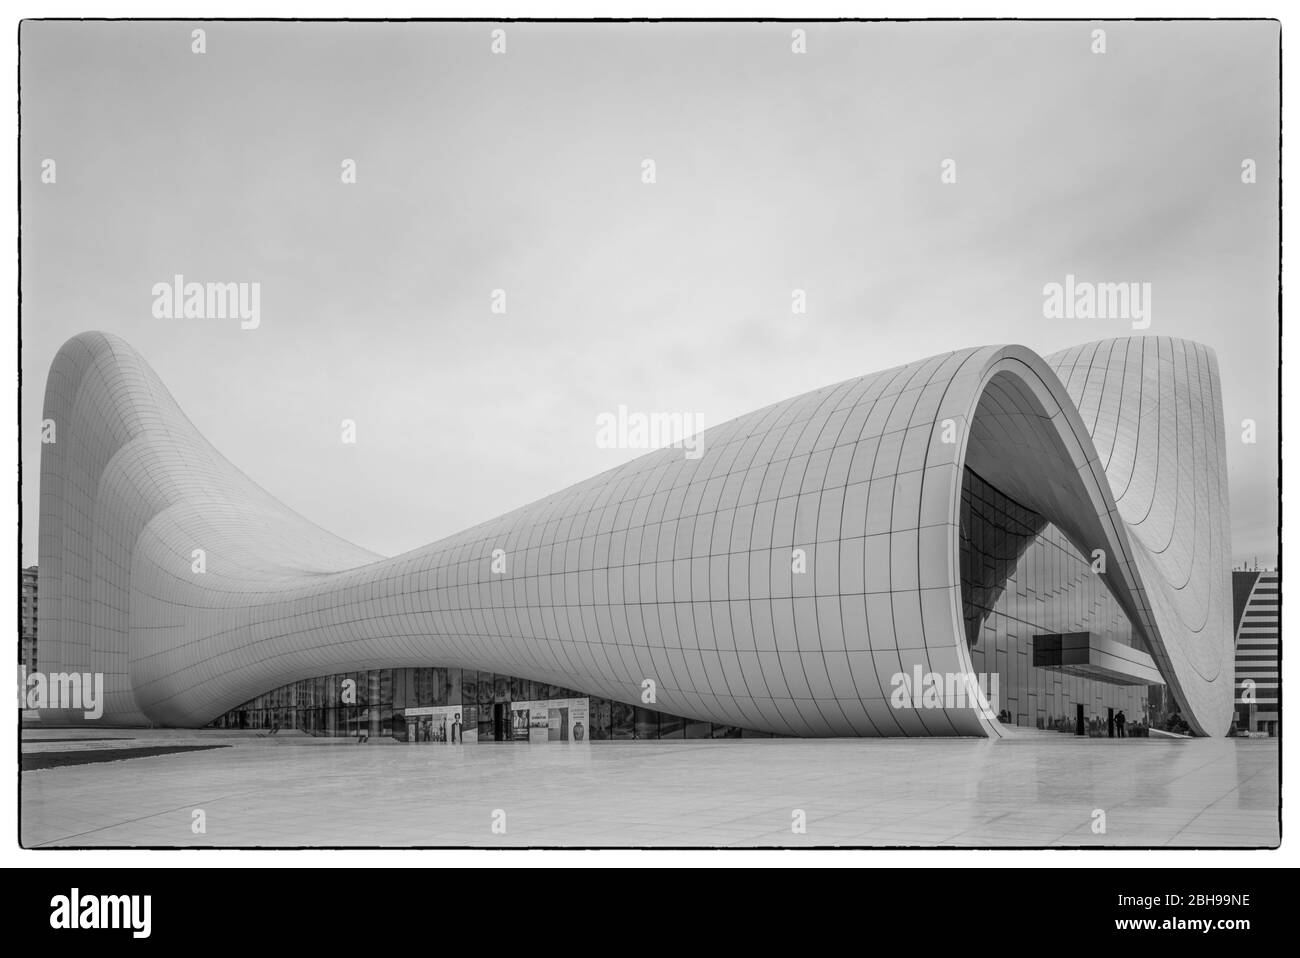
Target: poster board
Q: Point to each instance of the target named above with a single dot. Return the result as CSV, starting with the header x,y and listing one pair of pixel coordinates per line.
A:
x,y
442,724
551,720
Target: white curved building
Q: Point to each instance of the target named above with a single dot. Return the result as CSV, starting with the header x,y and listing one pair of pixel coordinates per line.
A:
x,y
918,496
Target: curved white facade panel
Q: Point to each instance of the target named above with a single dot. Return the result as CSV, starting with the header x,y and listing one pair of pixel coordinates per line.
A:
x,y
671,569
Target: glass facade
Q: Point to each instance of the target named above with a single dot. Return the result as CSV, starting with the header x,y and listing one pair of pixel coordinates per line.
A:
x,y
348,703
1022,577
995,532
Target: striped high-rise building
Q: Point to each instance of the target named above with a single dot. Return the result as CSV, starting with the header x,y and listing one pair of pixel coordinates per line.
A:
x,y
1255,596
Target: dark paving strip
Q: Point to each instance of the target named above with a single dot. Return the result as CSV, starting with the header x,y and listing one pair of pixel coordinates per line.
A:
x,y
113,738
39,760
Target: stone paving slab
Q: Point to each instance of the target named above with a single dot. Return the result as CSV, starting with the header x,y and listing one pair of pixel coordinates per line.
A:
x,y
1041,790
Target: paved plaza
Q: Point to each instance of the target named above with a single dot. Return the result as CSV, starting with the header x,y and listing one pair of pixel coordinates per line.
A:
x,y
1034,789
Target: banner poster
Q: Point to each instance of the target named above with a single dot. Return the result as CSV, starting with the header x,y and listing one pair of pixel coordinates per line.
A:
x,y
440,724
552,720
519,722
468,732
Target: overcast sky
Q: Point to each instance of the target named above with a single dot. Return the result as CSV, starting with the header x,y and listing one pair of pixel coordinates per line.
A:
x,y
522,171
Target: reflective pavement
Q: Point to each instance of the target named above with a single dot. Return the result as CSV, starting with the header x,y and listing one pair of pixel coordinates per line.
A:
x,y
1037,789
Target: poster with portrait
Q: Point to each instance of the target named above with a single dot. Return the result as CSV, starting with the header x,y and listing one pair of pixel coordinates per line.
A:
x,y
519,719
438,724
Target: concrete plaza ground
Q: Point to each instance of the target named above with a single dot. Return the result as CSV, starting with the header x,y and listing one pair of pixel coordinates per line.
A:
x,y
1034,789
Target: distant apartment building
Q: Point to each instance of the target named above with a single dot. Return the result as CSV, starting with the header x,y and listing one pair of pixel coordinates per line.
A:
x,y
1256,595
27,600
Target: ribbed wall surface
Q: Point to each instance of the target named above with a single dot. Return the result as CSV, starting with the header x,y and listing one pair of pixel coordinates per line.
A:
x,y
1155,413
667,568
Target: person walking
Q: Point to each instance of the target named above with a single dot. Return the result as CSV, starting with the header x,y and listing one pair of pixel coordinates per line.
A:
x,y
1119,723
